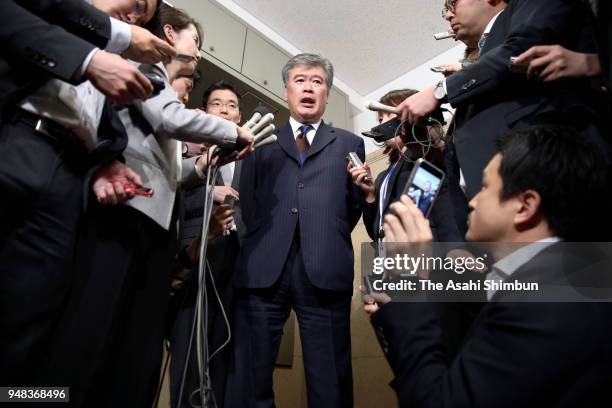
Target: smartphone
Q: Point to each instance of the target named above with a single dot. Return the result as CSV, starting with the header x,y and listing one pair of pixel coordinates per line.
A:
x,y
138,189
355,161
438,69
518,68
424,185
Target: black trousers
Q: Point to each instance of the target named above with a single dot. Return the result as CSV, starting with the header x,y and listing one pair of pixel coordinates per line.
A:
x,y
40,207
111,339
324,320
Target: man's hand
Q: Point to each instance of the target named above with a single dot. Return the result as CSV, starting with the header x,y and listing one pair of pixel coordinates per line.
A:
x,y
116,78
108,183
419,105
406,223
358,174
219,193
202,161
553,62
450,69
245,138
222,219
195,149
148,48
371,301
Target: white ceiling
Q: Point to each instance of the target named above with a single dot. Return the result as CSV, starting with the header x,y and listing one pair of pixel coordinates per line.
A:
x,y
369,42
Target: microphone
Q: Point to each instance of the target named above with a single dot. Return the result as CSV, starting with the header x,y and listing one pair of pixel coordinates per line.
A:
x,y
436,118
266,141
443,36
379,107
267,118
264,134
256,125
257,114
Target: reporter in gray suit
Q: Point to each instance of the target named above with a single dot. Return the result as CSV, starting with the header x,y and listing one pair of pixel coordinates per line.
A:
x,y
126,253
299,206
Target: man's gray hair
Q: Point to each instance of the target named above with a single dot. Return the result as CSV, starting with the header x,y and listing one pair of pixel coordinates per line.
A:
x,y
310,60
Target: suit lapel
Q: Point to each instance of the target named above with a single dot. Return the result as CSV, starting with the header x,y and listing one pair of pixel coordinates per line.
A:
x,y
498,32
324,136
236,178
286,141
391,183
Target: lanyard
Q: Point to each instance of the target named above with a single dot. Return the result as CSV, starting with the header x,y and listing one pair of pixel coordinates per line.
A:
x,y
381,201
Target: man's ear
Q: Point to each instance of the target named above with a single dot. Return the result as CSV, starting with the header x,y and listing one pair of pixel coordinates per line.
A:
x,y
169,34
285,95
528,208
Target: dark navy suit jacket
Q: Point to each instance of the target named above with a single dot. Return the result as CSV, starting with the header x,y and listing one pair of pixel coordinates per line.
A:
x,y
491,100
278,196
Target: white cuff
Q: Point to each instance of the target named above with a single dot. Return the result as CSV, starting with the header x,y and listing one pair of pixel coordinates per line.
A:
x,y
121,36
199,172
86,63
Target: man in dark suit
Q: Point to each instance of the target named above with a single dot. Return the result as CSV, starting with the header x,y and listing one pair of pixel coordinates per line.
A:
x,y
490,99
511,356
299,206
220,99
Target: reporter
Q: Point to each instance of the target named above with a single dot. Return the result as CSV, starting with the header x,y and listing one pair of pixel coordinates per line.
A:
x,y
47,148
389,185
514,335
137,240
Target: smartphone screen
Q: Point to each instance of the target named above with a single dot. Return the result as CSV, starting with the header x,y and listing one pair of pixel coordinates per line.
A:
x,y
424,184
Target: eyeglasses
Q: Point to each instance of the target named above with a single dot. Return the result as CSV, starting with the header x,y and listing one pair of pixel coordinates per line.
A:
x,y
449,7
218,105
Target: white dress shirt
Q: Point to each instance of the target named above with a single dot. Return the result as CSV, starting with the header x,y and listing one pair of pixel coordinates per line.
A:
x,y
295,126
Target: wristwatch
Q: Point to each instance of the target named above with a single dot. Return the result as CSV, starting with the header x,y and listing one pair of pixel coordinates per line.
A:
x,y
440,93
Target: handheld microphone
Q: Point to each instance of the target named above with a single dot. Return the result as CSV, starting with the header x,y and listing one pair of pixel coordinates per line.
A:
x,y
264,134
266,141
257,114
443,36
256,125
267,118
379,107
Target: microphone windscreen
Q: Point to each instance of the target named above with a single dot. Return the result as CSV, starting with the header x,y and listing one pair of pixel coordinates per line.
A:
x,y
267,131
267,118
266,141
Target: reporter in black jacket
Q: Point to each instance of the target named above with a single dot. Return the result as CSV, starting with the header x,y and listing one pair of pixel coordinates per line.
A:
x,y
517,353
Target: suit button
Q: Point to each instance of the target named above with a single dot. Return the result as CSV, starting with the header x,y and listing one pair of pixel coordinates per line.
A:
x,y
300,185
294,211
51,64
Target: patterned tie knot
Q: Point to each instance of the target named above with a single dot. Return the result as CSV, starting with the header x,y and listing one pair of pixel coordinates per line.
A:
x,y
304,129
